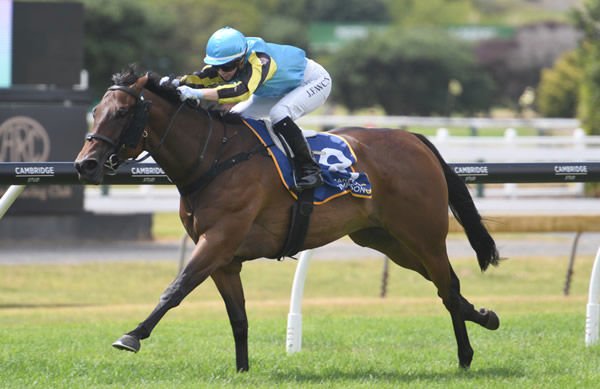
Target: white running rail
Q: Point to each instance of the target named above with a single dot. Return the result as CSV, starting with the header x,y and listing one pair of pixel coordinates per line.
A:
x,y
293,341
9,198
593,308
294,325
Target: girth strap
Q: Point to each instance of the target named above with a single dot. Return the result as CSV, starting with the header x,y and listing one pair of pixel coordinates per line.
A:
x,y
301,211
215,170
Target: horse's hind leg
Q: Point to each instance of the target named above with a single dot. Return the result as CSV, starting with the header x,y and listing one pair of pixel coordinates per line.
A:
x,y
452,302
382,241
435,261
484,317
441,274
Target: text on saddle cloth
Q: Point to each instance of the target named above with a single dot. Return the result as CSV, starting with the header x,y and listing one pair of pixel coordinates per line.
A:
x,y
335,156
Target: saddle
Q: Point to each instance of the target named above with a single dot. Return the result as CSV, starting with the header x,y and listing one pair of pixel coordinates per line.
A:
x,y
332,152
336,158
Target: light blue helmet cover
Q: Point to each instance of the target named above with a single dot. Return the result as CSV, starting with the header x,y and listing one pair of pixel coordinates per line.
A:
x,y
224,46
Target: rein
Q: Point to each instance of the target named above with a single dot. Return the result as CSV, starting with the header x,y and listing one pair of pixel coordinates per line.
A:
x,y
217,167
136,129
162,140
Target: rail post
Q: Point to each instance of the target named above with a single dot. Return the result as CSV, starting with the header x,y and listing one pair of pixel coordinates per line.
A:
x,y
9,198
294,325
593,308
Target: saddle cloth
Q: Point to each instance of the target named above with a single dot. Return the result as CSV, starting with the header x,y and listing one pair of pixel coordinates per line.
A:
x,y
333,153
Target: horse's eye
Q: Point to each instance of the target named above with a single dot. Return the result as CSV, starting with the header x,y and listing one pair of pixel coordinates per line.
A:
x,y
122,112
94,112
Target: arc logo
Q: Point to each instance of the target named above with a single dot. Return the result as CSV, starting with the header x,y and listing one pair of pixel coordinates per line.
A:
x,y
23,139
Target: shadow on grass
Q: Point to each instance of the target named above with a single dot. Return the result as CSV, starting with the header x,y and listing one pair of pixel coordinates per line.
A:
x,y
47,305
401,376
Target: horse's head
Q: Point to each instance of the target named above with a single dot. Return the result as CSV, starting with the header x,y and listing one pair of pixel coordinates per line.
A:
x,y
119,123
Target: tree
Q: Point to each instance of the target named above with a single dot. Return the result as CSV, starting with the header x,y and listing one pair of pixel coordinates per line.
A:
x,y
348,11
284,30
415,13
409,73
588,20
163,37
118,34
557,93
516,63
285,21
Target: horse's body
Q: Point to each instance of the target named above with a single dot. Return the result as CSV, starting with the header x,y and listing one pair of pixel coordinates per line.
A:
x,y
244,214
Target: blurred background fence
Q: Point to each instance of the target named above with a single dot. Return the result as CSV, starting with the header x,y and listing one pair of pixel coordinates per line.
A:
x,y
466,140
490,81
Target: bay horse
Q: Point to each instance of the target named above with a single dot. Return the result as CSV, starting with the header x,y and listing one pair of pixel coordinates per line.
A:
x,y
241,212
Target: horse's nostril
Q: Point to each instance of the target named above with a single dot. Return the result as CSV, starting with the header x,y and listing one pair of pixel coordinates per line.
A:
x,y
88,165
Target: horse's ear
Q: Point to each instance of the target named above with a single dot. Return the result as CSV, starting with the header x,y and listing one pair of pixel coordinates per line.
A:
x,y
141,82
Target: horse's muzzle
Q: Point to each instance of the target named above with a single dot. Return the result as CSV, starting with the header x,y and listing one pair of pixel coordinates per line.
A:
x,y
89,171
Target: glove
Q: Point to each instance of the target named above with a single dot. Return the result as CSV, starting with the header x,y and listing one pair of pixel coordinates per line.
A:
x,y
168,79
185,92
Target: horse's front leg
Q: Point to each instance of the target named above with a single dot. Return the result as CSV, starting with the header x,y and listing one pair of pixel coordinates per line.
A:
x,y
215,249
227,279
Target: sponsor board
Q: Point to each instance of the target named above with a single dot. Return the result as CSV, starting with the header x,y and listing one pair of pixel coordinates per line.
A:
x,y
40,132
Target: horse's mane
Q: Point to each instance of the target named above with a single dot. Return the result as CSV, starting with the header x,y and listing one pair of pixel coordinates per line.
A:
x,y
169,93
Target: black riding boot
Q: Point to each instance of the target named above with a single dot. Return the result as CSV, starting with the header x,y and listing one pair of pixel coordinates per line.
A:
x,y
309,174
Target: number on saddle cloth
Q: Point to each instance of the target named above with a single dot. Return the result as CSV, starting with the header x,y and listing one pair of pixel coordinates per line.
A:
x,y
333,154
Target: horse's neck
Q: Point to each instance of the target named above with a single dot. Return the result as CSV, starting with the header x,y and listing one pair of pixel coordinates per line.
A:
x,y
174,143
190,132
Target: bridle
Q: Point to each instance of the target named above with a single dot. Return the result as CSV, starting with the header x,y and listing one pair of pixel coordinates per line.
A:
x,y
130,137
135,130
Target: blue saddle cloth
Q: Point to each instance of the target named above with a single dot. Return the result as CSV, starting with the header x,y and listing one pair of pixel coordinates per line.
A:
x,y
333,154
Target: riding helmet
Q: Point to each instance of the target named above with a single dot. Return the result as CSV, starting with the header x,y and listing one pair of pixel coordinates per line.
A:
x,y
224,46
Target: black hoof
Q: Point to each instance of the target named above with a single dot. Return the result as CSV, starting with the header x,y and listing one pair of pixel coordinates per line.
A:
x,y
493,321
128,342
465,358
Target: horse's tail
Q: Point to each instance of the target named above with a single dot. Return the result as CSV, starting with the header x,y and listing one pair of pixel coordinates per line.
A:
x,y
464,210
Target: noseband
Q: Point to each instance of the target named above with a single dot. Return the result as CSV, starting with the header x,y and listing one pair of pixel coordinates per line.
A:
x,y
132,134
130,137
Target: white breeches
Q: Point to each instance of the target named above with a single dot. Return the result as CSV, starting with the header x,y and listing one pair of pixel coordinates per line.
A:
x,y
308,96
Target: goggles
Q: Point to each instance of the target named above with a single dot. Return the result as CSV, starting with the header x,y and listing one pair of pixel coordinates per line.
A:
x,y
229,66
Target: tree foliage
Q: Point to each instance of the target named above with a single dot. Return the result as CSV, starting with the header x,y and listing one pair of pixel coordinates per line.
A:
x,y
348,10
410,74
557,93
411,13
121,33
515,64
166,38
170,37
588,20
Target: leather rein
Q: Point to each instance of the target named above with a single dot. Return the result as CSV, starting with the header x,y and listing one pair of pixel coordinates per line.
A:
x,y
137,125
136,129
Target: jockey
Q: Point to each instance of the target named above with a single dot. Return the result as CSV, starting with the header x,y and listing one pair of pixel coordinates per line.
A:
x,y
264,80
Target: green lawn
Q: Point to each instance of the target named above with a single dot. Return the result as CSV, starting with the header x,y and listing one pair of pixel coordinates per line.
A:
x,y
57,323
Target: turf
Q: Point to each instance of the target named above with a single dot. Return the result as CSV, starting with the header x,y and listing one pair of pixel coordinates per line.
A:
x,y
57,323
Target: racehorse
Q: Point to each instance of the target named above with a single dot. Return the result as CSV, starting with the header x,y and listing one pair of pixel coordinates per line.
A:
x,y
241,212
